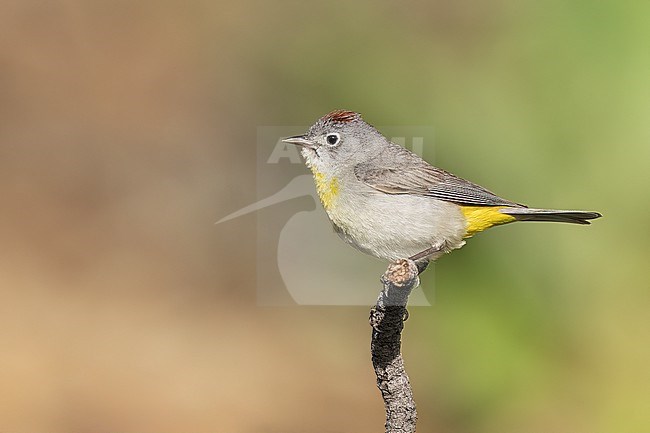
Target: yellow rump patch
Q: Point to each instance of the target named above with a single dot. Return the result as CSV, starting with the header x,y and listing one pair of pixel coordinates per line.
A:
x,y
480,218
328,189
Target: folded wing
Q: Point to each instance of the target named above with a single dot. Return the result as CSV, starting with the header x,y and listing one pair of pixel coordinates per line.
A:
x,y
409,174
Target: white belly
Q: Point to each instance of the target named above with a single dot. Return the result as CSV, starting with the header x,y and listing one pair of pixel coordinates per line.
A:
x,y
396,226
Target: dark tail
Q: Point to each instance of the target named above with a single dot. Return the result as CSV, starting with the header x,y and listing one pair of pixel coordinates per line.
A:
x,y
560,216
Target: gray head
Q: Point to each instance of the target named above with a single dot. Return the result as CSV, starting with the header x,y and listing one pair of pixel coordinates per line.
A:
x,y
339,140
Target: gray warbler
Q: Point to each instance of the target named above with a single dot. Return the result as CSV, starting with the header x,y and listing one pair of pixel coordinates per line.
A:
x,y
388,202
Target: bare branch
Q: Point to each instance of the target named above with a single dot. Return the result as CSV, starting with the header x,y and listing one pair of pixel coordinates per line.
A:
x,y
387,321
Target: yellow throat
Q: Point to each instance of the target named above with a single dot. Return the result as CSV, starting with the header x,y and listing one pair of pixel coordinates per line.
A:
x,y
327,188
480,218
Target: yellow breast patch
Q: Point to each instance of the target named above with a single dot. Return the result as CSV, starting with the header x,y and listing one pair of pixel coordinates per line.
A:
x,y
327,188
480,218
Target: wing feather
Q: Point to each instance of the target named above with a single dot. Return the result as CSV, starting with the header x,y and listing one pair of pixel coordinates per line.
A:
x,y
409,174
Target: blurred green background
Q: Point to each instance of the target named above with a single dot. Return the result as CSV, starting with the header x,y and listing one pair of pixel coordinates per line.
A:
x,y
128,128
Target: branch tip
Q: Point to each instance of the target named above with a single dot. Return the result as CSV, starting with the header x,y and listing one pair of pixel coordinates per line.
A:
x,y
400,274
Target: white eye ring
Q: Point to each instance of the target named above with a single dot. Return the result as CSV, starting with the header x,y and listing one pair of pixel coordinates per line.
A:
x,y
332,139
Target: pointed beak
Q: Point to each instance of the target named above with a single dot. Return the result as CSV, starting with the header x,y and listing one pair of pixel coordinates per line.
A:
x,y
300,140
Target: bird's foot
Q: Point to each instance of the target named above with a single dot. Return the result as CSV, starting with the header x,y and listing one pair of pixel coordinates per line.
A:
x,y
442,247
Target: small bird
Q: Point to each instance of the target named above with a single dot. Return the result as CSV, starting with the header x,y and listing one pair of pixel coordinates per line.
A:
x,y
388,202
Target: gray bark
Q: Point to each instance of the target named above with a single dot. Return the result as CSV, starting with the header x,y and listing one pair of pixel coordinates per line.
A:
x,y
387,321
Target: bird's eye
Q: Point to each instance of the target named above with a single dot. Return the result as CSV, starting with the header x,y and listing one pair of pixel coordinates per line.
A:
x,y
333,139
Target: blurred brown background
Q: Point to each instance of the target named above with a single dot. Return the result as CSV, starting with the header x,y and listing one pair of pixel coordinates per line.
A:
x,y
128,128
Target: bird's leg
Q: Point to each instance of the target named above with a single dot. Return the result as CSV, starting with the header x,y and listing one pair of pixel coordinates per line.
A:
x,y
429,251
